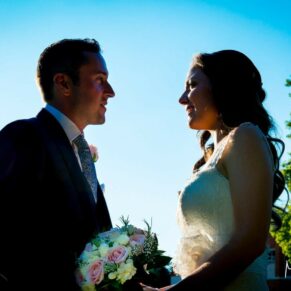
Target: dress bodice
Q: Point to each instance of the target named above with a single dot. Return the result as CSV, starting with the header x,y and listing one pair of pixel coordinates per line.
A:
x,y
205,215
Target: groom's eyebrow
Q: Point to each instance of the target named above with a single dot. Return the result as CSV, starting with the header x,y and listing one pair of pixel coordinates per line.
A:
x,y
105,74
101,72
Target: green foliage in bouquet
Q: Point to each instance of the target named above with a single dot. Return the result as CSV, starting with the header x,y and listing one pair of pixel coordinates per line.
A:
x,y
152,264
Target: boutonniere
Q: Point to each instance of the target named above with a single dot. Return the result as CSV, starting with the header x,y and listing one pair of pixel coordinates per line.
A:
x,y
94,153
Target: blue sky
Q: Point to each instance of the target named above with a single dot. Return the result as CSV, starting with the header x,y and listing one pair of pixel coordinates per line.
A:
x,y
146,149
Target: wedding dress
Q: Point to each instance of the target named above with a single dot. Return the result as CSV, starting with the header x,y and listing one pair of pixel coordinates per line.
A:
x,y
205,217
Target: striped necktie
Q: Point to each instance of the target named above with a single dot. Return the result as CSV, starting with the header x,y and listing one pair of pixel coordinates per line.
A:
x,y
87,163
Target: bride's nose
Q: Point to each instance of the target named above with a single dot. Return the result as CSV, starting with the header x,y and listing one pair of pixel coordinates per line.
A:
x,y
184,98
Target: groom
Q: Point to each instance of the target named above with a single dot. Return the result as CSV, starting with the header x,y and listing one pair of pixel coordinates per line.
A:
x,y
50,199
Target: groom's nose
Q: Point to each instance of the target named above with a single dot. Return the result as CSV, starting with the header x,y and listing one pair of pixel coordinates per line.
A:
x,y
109,92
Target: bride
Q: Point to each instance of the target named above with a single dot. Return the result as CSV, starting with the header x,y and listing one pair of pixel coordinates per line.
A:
x,y
225,208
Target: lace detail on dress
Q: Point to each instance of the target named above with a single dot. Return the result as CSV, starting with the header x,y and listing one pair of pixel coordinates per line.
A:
x,y
191,253
205,213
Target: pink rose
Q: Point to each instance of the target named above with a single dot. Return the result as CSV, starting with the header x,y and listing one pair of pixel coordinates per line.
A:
x,y
117,254
96,272
137,239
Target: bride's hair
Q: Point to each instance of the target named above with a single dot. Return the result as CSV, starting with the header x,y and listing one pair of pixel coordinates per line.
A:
x,y
238,95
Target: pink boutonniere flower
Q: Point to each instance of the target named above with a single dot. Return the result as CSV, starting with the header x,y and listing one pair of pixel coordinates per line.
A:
x,y
94,153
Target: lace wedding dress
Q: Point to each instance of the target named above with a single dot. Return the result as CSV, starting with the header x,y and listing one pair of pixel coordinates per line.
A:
x,y
205,217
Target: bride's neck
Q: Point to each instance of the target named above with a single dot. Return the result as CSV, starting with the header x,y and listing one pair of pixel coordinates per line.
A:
x,y
217,135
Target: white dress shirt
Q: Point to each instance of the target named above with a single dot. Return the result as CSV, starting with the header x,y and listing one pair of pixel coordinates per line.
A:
x,y
69,127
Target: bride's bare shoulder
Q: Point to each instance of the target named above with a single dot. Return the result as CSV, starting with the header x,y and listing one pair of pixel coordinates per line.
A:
x,y
248,145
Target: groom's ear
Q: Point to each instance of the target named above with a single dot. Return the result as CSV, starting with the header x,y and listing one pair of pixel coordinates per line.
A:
x,y
62,84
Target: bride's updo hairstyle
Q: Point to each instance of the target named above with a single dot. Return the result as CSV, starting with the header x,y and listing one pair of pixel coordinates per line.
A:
x,y
238,95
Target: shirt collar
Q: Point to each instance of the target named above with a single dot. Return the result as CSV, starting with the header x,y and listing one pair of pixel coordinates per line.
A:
x,y
70,128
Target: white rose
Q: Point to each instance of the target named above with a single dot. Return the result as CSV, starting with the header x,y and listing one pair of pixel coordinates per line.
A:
x,y
103,249
122,239
92,256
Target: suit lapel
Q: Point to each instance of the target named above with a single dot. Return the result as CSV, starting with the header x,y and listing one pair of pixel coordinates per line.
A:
x,y
66,160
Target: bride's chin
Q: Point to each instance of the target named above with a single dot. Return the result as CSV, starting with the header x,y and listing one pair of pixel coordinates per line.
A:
x,y
192,124
195,125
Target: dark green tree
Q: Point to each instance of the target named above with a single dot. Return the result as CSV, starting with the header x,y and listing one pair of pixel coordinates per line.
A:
x,y
287,165
283,235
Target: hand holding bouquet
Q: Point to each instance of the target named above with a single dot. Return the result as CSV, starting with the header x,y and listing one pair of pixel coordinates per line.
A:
x,y
121,254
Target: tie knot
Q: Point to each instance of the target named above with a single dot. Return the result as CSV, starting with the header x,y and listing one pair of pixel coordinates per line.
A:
x,y
81,143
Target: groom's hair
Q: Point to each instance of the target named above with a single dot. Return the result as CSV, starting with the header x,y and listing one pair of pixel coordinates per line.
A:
x,y
65,56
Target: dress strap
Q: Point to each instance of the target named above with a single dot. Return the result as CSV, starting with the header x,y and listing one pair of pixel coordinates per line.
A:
x,y
218,152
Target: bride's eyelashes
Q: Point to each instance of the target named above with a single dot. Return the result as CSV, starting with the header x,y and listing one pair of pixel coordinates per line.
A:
x,y
192,84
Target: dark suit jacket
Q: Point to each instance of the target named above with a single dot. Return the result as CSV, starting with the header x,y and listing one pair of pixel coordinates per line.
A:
x,y
47,213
